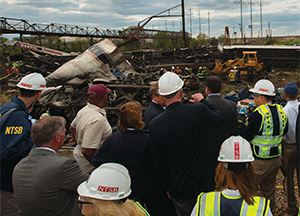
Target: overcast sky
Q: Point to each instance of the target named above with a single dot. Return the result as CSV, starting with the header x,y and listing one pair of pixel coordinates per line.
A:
x,y
283,16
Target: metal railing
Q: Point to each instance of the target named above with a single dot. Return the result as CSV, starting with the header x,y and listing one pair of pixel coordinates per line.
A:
x,y
22,27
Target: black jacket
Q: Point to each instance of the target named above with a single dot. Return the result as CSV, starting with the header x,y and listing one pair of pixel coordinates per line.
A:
x,y
230,127
132,150
152,111
182,149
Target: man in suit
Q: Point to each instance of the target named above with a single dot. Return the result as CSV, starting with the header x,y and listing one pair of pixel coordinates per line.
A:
x,y
157,105
228,110
45,183
181,147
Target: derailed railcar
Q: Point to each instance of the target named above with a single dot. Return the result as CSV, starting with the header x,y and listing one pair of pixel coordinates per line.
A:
x,y
102,60
101,63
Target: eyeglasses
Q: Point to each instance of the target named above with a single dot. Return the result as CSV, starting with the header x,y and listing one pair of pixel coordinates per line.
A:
x,y
81,202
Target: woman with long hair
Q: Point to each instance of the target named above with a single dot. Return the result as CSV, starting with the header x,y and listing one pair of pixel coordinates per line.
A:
x,y
236,190
105,193
131,147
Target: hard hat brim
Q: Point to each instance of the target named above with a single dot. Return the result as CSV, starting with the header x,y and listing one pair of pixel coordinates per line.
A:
x,y
258,92
237,161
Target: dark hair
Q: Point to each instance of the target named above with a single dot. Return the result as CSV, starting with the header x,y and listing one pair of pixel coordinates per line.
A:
x,y
45,129
268,98
153,90
131,116
214,84
27,93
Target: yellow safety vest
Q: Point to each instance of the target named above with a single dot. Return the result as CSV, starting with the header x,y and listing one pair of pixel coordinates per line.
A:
x,y
231,77
267,140
208,204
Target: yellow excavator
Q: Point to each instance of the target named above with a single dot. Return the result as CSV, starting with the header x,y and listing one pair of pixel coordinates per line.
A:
x,y
249,60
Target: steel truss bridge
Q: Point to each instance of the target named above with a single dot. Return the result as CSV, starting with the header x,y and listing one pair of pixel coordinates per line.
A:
x,y
23,27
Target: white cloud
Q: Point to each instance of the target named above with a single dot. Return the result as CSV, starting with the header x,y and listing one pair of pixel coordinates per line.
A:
x,y
118,14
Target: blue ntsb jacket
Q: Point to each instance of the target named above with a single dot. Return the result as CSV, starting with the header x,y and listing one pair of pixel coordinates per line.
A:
x,y
15,140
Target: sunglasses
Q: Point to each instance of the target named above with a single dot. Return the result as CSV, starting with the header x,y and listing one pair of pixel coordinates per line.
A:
x,y
256,96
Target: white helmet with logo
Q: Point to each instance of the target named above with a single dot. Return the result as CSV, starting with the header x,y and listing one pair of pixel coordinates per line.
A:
x,y
264,87
33,81
110,181
235,149
169,83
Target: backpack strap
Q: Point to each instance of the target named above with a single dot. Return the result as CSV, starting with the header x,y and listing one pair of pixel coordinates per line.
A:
x,y
5,115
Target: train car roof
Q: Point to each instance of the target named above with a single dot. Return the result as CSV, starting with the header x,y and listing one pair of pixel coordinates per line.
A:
x,y
262,47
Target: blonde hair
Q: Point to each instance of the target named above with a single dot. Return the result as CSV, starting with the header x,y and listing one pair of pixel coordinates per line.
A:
x,y
113,208
243,181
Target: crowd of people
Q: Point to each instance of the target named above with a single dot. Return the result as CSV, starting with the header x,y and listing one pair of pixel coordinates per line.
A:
x,y
177,159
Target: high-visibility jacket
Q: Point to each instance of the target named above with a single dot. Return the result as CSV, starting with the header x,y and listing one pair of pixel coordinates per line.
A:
x,y
217,203
231,77
200,74
267,139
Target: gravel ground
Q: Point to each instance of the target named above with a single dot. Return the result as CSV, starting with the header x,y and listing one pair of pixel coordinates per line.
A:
x,y
280,195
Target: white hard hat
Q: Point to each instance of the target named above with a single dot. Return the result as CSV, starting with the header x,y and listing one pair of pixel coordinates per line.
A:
x,y
173,67
169,83
110,181
264,87
235,67
235,149
33,81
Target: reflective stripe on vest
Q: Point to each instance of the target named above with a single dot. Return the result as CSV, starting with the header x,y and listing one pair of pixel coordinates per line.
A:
x,y
205,207
142,208
232,77
267,140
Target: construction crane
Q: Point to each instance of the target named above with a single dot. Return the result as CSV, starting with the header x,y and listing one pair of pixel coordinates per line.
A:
x,y
227,40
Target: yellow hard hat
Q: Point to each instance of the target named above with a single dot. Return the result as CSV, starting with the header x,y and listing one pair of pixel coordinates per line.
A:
x,y
200,67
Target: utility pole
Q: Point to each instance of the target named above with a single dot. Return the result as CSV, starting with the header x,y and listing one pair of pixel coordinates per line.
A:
x,y
183,23
191,23
241,3
261,30
251,18
241,6
208,26
199,24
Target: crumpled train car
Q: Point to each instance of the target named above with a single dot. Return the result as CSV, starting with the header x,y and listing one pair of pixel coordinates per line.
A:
x,y
100,61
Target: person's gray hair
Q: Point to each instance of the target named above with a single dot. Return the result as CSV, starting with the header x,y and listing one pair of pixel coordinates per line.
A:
x,y
44,130
153,90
